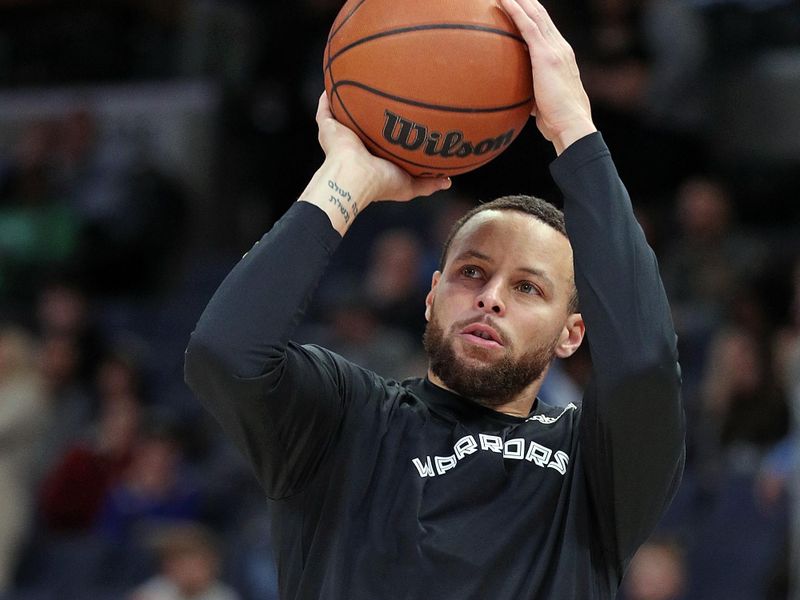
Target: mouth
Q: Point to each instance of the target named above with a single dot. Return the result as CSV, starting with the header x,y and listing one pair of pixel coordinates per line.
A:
x,y
482,335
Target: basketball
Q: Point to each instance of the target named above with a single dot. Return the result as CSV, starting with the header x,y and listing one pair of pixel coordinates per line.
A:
x,y
439,87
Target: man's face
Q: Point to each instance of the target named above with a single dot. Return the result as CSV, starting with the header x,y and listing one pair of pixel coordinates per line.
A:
x,y
498,313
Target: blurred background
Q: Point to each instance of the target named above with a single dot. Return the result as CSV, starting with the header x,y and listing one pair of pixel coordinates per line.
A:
x,y
146,144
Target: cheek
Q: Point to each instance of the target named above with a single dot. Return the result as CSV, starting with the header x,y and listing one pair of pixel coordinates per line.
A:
x,y
542,330
436,310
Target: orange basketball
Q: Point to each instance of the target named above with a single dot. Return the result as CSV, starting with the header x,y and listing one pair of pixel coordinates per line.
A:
x,y
439,87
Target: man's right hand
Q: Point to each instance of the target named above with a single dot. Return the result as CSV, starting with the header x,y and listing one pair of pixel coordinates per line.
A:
x,y
351,177
562,110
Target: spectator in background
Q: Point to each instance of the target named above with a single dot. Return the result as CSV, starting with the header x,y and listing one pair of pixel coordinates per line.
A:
x,y
71,403
155,488
63,308
352,327
131,214
119,374
744,409
189,567
676,96
24,411
373,318
704,268
74,491
393,281
642,62
71,348
38,230
617,69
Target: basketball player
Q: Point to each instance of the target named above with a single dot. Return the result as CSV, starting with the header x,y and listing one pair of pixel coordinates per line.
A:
x,y
461,485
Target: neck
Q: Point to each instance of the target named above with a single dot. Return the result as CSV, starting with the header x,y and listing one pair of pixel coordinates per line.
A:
x,y
519,405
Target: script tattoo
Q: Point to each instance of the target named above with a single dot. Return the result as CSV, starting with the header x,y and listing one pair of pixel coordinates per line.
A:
x,y
343,200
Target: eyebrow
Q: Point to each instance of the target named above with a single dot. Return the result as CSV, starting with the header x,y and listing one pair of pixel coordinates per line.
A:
x,y
530,270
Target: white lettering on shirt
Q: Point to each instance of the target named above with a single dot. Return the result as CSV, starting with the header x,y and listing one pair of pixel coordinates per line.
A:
x,y
514,449
445,463
493,443
466,445
425,470
538,454
550,420
560,461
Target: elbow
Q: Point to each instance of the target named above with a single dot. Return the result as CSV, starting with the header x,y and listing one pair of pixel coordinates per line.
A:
x,y
649,400
644,368
658,378
207,363
656,360
211,364
207,373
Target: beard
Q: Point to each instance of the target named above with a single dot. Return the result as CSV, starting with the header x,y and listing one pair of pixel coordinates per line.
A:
x,y
491,384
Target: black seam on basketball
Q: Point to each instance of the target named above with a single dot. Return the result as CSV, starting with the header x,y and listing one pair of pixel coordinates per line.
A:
x,y
328,62
335,92
346,19
328,75
329,70
439,107
437,26
344,108
405,160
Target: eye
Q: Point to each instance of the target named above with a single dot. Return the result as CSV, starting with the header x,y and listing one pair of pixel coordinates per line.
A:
x,y
526,287
470,271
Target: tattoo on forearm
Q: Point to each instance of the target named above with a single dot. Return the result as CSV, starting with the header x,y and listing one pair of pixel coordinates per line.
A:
x,y
345,213
343,200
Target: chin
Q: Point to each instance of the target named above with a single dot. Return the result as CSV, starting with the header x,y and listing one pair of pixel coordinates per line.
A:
x,y
465,350
478,363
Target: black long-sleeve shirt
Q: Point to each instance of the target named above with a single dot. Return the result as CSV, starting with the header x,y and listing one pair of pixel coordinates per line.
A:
x,y
388,490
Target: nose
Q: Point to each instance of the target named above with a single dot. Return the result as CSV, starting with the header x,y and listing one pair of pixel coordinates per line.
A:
x,y
490,300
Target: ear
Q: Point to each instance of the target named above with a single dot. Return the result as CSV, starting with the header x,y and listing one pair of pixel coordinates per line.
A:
x,y
571,336
429,298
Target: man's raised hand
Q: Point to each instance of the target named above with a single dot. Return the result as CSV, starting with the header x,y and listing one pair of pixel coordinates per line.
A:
x,y
386,180
562,110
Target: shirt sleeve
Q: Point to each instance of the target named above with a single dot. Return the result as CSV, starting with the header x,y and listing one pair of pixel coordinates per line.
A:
x,y
278,401
632,425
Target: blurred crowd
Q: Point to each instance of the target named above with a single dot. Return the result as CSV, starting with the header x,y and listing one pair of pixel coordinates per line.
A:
x,y
116,484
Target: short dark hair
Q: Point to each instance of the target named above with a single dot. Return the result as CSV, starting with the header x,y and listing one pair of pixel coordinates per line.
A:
x,y
531,205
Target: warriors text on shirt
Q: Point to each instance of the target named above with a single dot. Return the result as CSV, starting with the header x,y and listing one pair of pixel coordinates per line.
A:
x,y
515,449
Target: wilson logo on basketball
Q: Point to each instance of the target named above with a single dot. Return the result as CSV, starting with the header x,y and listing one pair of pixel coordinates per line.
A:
x,y
412,136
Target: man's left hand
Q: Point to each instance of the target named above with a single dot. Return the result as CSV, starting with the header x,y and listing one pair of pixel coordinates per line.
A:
x,y
562,111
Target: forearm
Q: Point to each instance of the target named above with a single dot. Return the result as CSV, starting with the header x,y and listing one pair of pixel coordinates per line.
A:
x,y
340,190
621,295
